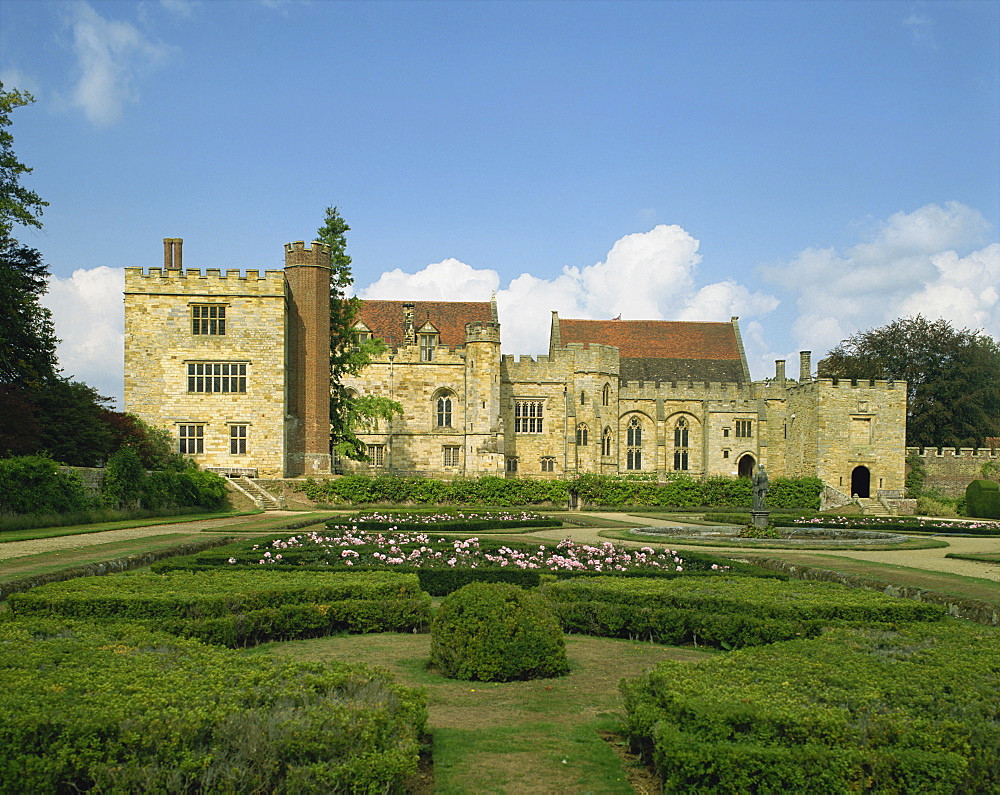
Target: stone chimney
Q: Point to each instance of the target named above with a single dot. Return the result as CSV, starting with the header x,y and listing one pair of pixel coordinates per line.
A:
x,y
779,371
409,331
805,366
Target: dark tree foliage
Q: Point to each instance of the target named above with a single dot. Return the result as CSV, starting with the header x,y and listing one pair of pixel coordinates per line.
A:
x,y
952,375
348,413
27,336
72,424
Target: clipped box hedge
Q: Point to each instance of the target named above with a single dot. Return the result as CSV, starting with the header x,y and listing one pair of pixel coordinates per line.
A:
x,y
120,708
729,612
240,607
913,710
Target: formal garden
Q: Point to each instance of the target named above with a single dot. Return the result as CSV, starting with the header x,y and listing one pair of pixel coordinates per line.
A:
x,y
453,649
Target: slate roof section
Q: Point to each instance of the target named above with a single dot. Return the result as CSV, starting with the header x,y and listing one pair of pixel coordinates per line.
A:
x,y
385,319
665,350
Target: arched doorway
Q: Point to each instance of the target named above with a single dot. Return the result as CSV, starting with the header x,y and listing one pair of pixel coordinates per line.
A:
x,y
861,482
744,468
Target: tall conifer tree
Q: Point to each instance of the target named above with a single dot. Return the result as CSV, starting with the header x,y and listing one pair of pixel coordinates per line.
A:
x,y
349,414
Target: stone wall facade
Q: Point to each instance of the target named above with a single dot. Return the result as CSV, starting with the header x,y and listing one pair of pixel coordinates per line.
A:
x,y
468,410
567,413
225,362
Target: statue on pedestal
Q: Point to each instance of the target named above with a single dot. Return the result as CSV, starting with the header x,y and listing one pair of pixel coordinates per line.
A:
x,y
760,487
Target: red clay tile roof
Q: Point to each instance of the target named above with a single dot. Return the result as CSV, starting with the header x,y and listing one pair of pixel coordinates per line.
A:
x,y
656,339
385,319
665,350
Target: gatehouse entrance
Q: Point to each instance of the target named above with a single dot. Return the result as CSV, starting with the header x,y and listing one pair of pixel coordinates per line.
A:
x,y
746,466
861,482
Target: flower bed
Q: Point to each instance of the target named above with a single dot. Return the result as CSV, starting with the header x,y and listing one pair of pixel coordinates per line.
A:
x,y
346,547
901,524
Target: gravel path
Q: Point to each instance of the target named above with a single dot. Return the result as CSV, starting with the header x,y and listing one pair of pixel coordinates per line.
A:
x,y
17,549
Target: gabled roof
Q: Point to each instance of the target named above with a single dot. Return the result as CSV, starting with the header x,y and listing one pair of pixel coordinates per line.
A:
x,y
656,339
663,350
386,319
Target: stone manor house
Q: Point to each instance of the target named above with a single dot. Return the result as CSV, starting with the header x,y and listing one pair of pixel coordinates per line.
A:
x,y
235,365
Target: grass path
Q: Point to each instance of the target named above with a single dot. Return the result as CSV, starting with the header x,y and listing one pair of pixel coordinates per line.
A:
x,y
543,736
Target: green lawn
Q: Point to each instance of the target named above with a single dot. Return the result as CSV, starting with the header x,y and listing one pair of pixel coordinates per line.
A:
x,y
546,735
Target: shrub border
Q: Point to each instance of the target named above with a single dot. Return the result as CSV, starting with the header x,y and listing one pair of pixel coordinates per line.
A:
x,y
136,561
971,609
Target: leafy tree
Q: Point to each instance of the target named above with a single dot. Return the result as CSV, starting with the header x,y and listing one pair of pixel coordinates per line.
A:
x,y
349,414
27,336
18,205
952,375
123,479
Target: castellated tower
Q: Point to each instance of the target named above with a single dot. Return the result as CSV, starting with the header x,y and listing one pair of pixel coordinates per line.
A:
x,y
205,360
484,440
235,367
307,273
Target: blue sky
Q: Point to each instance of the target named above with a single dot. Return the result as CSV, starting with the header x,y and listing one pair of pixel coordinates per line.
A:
x,y
817,168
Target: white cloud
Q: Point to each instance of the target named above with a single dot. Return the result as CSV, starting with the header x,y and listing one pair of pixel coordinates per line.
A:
x,y
647,275
89,320
448,280
182,8
111,56
965,291
913,263
921,29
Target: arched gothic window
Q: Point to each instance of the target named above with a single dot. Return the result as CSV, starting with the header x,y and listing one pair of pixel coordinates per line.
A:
x,y
606,395
633,444
581,434
444,411
681,445
606,442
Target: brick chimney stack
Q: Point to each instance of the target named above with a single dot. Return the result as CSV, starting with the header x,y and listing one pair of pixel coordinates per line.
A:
x,y
172,253
307,273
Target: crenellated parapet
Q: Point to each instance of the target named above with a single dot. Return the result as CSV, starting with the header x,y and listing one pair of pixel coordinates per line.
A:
x,y
481,331
563,363
685,390
316,255
213,281
929,453
818,384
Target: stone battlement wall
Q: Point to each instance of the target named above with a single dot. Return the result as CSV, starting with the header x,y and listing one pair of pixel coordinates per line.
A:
x,y
846,384
214,282
563,363
949,470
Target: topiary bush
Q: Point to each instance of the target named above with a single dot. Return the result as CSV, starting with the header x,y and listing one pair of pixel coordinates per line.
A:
x,y
494,632
982,499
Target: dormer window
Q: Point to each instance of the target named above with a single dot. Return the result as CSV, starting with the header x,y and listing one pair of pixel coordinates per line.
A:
x,y
429,339
360,334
